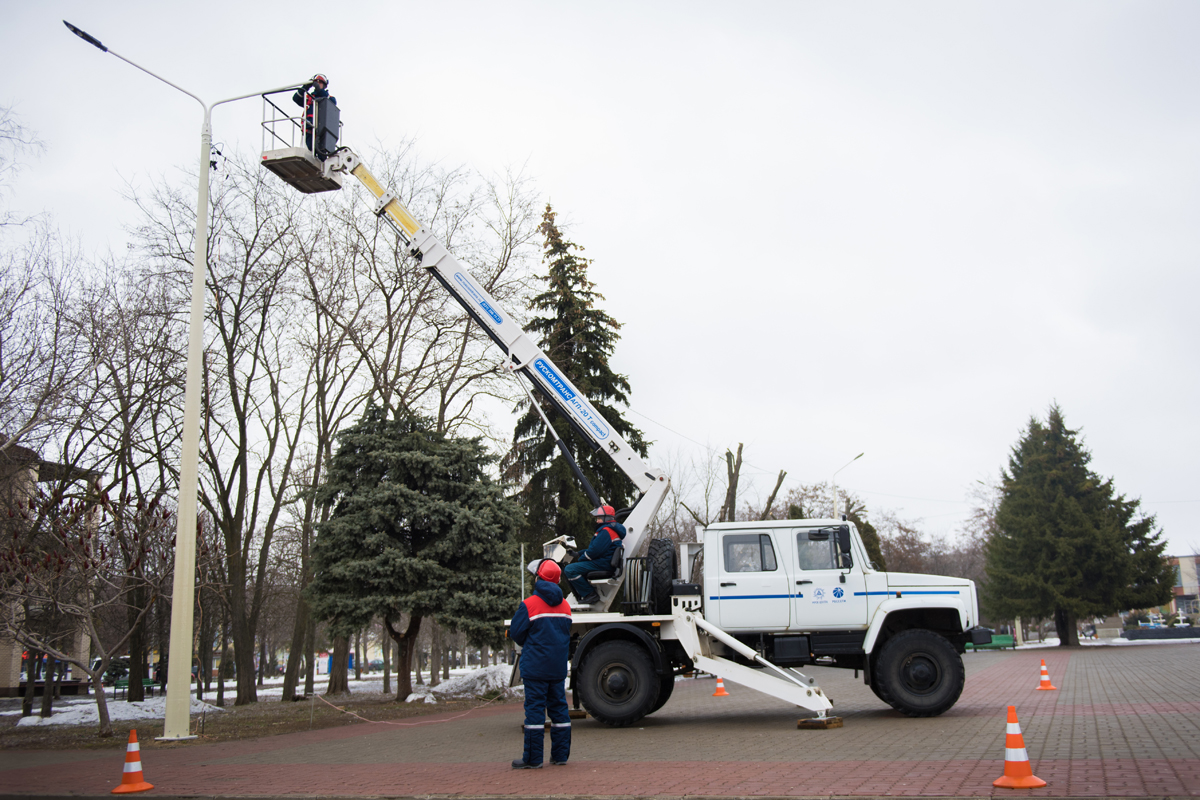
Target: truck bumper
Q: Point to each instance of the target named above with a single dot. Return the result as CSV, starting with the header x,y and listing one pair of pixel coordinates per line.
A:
x,y
978,635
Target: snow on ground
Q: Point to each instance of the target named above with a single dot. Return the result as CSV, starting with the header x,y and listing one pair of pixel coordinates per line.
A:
x,y
471,684
1053,642
82,711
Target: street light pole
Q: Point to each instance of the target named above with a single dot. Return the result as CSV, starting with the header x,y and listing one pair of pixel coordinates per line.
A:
x,y
834,481
176,724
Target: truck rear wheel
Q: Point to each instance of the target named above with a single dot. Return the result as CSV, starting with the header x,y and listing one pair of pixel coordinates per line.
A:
x,y
919,674
661,554
618,685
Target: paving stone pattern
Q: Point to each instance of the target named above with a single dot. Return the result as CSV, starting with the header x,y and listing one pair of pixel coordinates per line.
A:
x,y
1125,722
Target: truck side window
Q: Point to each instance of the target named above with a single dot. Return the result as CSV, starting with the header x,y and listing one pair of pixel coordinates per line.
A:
x,y
820,554
749,552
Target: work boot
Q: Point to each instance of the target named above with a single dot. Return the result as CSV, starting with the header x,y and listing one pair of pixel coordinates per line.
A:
x,y
594,597
558,763
520,764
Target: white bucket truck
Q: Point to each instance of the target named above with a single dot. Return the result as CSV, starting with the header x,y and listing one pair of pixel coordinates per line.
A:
x,y
771,596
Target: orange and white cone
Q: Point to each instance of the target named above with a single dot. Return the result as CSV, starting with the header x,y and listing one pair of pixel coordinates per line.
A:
x,y
132,780
1017,772
720,692
1045,686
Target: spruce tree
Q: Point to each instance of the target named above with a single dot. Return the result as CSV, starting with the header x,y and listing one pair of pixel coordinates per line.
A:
x,y
1066,545
418,528
579,338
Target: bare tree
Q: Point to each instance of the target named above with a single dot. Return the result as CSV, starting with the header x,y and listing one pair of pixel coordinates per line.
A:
x,y
66,557
41,357
16,142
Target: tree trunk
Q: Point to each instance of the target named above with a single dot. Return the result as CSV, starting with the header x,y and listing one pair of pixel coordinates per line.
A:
x,y
48,682
339,670
97,679
734,471
31,658
223,666
1068,630
262,659
291,673
435,654
310,663
387,662
358,655
407,644
137,648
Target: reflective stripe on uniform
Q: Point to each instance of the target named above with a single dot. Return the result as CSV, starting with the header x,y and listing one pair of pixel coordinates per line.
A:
x,y
548,614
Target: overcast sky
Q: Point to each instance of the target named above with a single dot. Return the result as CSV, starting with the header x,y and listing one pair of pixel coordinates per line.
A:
x,y
829,228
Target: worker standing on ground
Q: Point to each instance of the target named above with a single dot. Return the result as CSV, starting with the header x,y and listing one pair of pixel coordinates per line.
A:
x,y
598,555
542,628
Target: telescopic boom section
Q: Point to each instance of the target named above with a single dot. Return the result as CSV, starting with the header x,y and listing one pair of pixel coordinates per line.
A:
x,y
525,356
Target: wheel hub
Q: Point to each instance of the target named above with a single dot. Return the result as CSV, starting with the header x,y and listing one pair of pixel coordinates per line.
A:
x,y
920,674
616,683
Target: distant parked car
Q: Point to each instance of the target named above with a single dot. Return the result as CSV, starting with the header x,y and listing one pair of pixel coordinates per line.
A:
x,y
375,665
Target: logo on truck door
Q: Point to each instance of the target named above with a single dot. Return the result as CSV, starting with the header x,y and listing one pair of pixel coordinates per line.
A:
x,y
581,409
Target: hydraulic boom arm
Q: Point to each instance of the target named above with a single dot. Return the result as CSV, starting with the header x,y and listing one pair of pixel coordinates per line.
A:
x,y
524,356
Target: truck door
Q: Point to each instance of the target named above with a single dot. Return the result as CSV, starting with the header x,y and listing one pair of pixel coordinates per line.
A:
x,y
753,587
830,594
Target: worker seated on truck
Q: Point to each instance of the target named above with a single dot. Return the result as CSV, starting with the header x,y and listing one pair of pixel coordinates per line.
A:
x,y
598,555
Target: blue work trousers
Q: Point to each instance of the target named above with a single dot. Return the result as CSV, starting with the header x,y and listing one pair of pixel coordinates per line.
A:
x,y
574,573
542,699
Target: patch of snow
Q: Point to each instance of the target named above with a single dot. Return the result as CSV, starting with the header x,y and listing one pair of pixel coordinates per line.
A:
x,y
82,711
470,684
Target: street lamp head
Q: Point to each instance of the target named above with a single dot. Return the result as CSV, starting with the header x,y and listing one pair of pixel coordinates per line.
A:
x,y
87,37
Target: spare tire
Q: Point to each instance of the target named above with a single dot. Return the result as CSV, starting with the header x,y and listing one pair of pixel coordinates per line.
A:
x,y
661,556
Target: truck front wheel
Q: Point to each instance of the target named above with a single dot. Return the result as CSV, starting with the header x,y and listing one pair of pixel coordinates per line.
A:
x,y
617,683
919,674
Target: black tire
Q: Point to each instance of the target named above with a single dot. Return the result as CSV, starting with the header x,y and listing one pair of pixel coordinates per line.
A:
x,y
666,685
617,683
661,555
874,684
919,674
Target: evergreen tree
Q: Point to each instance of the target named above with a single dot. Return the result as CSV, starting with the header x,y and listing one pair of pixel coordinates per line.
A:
x,y
580,339
418,528
1066,545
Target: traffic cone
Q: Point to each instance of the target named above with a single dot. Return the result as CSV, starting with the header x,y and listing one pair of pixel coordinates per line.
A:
x,y
132,780
720,692
1045,686
1017,772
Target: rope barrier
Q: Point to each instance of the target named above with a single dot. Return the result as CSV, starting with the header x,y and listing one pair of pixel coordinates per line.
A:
x,y
405,724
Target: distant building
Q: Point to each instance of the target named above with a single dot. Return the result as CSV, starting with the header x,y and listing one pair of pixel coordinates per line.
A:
x,y
1186,601
21,470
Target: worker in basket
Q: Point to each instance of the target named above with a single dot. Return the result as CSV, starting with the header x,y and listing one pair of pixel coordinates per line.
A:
x,y
542,628
598,555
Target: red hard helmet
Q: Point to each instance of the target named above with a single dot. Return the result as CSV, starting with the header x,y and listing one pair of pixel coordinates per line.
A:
x,y
604,511
549,571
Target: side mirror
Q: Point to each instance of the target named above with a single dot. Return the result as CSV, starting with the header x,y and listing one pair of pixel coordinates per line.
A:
x,y
843,541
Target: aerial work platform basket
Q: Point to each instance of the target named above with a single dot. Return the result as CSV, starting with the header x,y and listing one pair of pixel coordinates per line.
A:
x,y
295,147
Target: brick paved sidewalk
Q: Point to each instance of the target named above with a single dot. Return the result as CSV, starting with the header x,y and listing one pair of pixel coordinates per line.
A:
x,y
1124,723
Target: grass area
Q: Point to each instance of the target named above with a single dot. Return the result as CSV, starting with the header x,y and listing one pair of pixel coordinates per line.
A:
x,y
268,717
